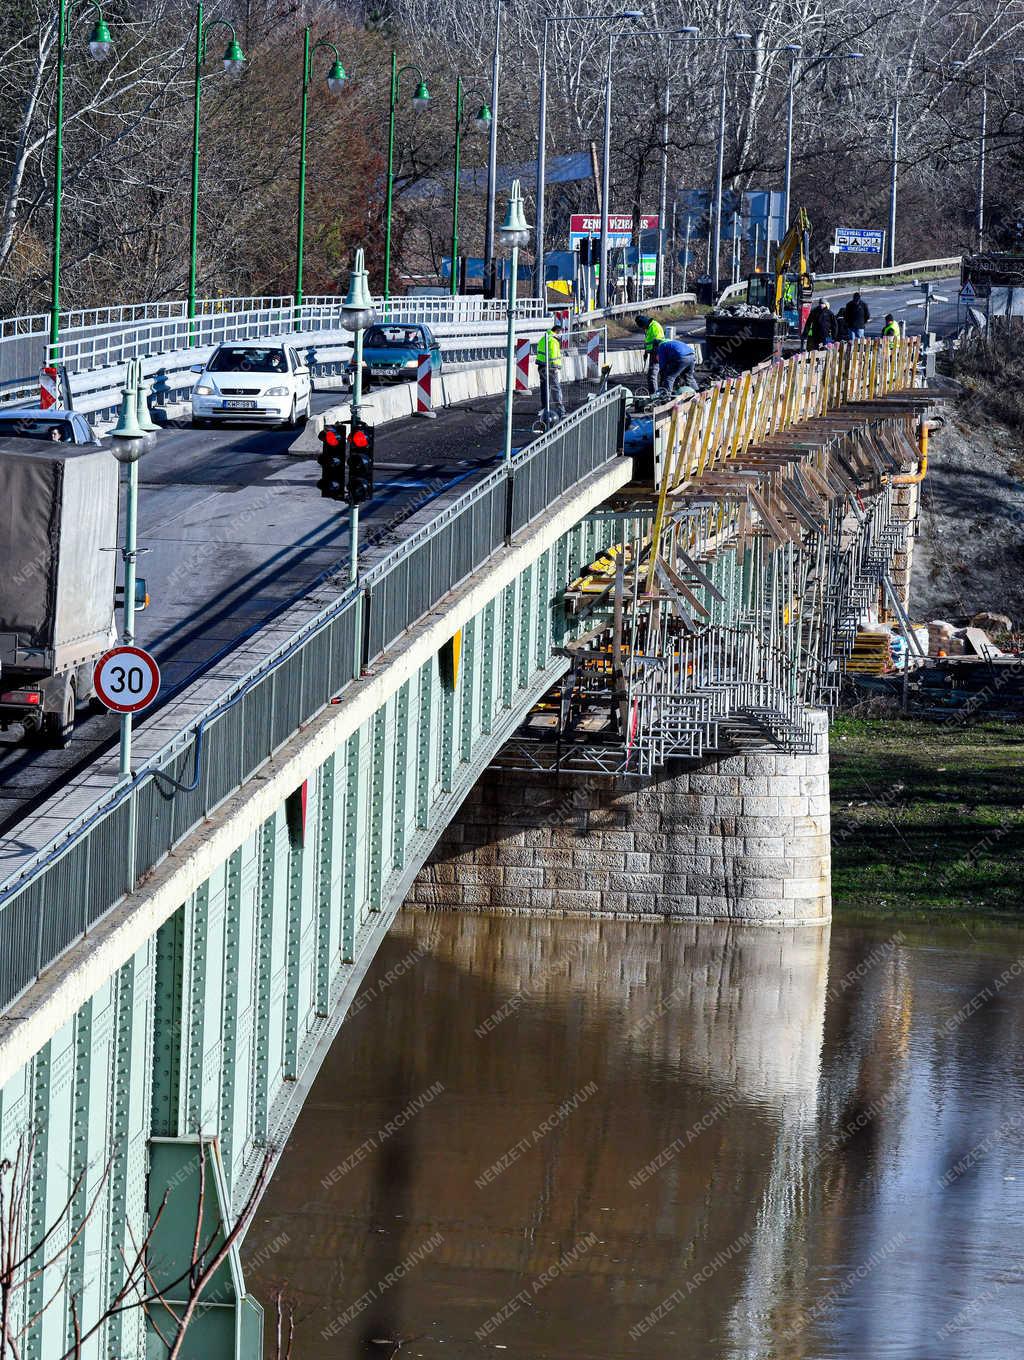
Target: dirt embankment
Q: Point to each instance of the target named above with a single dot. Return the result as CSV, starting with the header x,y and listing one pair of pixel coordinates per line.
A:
x,y
969,554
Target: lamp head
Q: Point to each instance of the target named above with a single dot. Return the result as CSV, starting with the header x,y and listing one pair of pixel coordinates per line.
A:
x,y
421,98
690,31
515,230
128,451
100,41
483,119
336,78
357,310
234,58
741,37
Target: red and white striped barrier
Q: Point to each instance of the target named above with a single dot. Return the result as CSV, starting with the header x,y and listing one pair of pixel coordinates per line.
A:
x,y
523,364
424,383
49,387
593,355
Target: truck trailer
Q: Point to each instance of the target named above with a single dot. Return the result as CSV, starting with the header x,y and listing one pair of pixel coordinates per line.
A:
x,y
58,532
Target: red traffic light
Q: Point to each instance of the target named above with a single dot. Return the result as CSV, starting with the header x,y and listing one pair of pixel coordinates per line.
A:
x,y
359,439
332,437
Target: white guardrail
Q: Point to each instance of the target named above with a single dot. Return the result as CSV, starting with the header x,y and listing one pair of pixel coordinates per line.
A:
x,y
915,266
96,343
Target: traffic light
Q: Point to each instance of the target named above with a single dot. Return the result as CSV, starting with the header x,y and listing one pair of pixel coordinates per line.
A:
x,y
360,463
332,462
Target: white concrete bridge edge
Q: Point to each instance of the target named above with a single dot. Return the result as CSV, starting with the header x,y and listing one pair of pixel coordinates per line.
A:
x,y
65,987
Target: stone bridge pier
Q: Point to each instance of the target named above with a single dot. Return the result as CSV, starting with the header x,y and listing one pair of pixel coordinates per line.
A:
x,y
741,837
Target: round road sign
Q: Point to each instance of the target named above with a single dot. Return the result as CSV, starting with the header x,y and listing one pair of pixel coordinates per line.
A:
x,y
126,679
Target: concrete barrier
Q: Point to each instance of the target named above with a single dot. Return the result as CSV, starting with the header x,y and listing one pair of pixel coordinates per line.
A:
x,y
456,385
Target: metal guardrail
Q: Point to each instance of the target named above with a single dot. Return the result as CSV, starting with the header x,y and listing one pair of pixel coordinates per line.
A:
x,y
736,289
916,266
74,880
649,304
100,337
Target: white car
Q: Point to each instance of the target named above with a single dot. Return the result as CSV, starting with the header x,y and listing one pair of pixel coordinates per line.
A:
x,y
253,380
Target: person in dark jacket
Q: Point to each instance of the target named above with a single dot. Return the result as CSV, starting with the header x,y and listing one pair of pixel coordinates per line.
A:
x,y
857,316
820,330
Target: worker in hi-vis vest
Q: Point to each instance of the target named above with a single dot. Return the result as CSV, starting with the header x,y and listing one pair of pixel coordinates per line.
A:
x,y
549,369
654,333
891,329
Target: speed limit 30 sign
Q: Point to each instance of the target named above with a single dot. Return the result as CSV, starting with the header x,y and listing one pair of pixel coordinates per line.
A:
x,y
126,679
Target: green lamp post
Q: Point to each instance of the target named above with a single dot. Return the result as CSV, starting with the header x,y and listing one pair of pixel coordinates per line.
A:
x,y
356,314
514,232
420,100
234,60
100,44
335,84
482,123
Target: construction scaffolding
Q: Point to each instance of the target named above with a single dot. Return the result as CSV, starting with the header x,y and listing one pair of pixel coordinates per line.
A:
x,y
732,604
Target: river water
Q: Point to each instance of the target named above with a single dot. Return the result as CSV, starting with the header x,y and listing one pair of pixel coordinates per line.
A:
x,y
560,1139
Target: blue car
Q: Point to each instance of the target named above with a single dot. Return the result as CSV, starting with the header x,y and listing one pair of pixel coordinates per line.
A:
x,y
391,352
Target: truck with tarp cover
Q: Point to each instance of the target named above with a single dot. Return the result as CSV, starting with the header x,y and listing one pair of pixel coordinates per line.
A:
x,y
58,531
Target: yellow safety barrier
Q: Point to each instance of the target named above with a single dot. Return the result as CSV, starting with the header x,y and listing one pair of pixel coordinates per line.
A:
x,y
723,422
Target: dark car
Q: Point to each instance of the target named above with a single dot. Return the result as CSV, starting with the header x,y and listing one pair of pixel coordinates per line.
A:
x,y
49,423
391,351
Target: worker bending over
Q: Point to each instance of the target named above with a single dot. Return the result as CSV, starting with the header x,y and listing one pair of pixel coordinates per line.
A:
x,y
654,334
676,366
549,370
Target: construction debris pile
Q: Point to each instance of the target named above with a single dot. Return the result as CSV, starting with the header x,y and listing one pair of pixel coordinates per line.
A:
x,y
743,311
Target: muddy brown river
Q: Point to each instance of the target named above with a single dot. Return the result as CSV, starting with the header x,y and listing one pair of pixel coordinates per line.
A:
x,y
568,1139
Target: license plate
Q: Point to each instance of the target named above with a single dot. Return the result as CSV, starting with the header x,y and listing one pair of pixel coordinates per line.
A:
x,y
240,406
387,372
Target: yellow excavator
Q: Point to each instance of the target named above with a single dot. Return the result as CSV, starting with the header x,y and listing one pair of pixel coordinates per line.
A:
x,y
736,337
790,288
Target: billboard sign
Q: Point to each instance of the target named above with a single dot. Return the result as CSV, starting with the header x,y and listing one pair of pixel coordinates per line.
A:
x,y
859,241
620,227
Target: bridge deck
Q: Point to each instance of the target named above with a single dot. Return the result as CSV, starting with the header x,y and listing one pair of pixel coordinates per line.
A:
x,y
234,532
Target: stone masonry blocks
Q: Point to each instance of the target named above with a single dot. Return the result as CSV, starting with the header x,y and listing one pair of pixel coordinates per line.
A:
x,y
740,837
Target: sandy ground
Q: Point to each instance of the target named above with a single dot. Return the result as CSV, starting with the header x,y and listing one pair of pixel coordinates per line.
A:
x,y
969,554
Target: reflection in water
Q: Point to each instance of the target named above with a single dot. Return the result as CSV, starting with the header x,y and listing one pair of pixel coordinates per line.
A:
x,y
602,1139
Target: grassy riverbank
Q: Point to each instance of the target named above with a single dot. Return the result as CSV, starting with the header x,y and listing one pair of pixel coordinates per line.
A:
x,y
927,818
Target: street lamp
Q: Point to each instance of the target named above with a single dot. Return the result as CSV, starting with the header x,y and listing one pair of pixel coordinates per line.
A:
x,y
716,239
795,57
983,133
100,44
335,84
542,123
606,162
234,60
420,100
514,233
684,34
482,122
357,312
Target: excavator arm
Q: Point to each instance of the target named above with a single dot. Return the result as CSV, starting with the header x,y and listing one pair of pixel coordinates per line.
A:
x,y
795,243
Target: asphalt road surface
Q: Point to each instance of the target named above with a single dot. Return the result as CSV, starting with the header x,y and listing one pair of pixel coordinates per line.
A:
x,y
234,530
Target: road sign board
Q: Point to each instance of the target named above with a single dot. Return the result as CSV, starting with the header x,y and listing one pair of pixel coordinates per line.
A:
x,y
967,293
859,241
126,679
